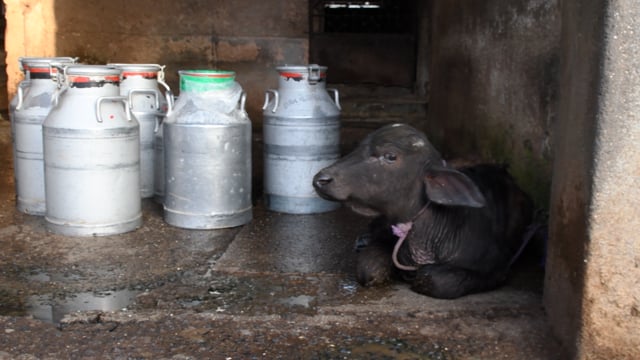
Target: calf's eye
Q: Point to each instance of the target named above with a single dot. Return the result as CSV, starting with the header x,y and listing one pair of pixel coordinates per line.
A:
x,y
390,157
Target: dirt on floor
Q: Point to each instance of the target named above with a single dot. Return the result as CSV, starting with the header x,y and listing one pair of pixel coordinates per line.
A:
x,y
280,287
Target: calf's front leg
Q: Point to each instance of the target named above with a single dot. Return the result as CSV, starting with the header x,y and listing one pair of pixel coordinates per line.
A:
x,y
373,262
373,265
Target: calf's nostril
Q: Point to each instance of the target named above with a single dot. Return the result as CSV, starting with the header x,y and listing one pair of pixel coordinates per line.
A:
x,y
321,180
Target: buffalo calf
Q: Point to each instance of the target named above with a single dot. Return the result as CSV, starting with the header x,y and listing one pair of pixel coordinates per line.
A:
x,y
449,232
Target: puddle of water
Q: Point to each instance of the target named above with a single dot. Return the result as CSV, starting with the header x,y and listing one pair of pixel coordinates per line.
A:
x,y
302,300
52,309
349,287
378,351
42,276
397,350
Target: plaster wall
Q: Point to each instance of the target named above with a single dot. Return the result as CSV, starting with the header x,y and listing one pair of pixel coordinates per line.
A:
x,y
493,72
249,37
592,286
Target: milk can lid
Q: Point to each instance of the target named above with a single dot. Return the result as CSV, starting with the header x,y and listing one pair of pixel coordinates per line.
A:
x,y
301,68
312,72
203,80
137,68
92,70
44,62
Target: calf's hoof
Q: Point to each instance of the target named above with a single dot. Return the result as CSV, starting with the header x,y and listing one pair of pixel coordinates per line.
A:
x,y
362,242
373,267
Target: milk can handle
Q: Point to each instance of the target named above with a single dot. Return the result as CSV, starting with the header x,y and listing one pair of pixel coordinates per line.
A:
x,y
168,94
20,97
243,100
153,92
55,97
314,73
112,98
336,97
167,90
61,74
276,97
59,66
170,102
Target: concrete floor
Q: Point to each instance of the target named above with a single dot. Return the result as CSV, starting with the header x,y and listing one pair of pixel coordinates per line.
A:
x,y
280,287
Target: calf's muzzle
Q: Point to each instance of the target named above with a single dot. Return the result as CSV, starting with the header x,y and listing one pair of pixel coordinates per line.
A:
x,y
320,181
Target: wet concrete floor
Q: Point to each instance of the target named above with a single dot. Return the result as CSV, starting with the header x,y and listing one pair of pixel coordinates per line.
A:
x,y
280,287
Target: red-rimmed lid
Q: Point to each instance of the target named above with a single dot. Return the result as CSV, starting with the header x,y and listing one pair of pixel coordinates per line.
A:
x,y
152,75
44,62
300,72
92,73
87,79
45,72
42,67
148,71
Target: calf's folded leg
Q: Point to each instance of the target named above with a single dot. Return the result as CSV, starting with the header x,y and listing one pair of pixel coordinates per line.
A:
x,y
448,282
373,265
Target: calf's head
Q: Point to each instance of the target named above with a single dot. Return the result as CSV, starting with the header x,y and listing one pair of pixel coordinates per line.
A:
x,y
394,172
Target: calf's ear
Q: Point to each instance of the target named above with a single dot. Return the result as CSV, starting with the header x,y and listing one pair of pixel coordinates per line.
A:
x,y
451,187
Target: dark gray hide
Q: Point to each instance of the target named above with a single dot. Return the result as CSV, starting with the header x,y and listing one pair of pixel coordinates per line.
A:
x,y
462,227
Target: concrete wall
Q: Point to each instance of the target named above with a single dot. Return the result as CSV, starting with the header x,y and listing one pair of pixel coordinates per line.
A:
x,y
553,87
494,68
250,37
592,287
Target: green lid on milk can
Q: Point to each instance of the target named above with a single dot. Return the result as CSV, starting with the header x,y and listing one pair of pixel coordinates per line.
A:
x,y
205,80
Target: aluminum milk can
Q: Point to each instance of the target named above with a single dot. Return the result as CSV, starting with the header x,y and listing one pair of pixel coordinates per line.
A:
x,y
140,84
91,156
28,110
207,147
301,130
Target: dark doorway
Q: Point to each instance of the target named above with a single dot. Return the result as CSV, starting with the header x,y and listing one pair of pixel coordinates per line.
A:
x,y
365,42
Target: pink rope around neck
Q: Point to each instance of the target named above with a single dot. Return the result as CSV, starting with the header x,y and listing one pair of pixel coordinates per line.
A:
x,y
402,230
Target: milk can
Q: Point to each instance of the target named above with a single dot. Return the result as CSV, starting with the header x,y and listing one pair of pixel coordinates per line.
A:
x,y
301,130
207,148
140,84
91,155
28,110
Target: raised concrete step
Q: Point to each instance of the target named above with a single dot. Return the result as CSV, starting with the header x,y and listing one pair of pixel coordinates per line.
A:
x,y
372,107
